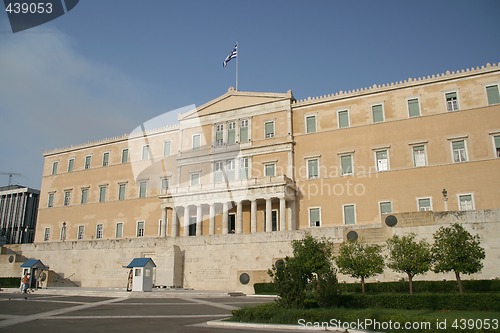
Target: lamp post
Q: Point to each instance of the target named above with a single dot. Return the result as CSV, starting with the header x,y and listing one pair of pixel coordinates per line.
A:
x,y
445,199
63,232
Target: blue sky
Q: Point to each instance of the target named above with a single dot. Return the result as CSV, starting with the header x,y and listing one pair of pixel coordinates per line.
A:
x,y
107,66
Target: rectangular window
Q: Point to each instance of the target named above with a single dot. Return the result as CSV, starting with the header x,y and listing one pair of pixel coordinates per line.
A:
x,y
85,195
386,207
465,202
105,159
343,119
349,214
346,164
145,153
192,225
121,191
424,204
493,94
81,232
230,169
102,193
413,107
382,160
88,162
124,156
54,168
99,231
196,141
451,101
219,134
46,234
270,169
231,133
71,164
164,185
67,198
269,129
497,145
140,229
419,158
378,113
218,171
166,148
459,151
50,202
143,185
244,168
119,230
314,217
195,179
244,131
311,124
312,168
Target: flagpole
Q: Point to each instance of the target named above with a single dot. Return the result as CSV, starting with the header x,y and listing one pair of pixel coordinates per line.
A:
x,y
237,56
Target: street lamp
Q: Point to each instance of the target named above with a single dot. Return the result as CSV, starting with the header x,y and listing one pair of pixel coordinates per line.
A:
x,y
445,199
63,232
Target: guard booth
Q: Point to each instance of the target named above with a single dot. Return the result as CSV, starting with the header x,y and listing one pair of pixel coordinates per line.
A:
x,y
37,271
142,274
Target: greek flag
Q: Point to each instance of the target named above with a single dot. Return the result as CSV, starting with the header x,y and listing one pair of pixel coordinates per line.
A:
x,y
233,54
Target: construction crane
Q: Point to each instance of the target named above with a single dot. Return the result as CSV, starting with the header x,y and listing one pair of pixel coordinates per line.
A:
x,y
10,174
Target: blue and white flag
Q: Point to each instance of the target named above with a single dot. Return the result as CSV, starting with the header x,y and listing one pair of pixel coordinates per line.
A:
x,y
233,54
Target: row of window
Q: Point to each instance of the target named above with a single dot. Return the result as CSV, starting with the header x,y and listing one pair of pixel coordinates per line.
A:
x,y
419,154
413,107
103,192
99,231
465,202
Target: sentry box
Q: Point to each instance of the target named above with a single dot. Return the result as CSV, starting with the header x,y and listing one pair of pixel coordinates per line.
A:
x,y
142,274
36,270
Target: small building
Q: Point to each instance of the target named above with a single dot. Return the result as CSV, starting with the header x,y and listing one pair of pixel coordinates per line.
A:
x,y
142,274
37,271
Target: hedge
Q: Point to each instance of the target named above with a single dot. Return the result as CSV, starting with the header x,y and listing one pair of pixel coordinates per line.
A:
x,y
470,286
10,282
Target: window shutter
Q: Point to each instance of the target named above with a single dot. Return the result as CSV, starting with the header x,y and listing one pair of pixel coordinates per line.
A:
x,y
413,107
493,95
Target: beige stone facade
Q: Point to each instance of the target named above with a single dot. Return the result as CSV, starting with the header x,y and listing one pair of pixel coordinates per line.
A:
x,y
250,164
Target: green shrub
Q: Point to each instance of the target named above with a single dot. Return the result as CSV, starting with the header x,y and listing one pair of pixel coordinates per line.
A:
x,y
265,288
10,282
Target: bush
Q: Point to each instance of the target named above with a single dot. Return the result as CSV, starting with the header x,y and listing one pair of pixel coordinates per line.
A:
x,y
10,282
265,288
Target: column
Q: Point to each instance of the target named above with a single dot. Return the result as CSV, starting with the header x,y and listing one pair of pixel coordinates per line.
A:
x,y
163,231
253,216
186,221
199,219
225,218
269,216
282,214
175,223
292,223
239,217
211,227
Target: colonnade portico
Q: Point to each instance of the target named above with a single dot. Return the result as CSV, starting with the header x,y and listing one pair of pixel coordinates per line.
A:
x,y
226,212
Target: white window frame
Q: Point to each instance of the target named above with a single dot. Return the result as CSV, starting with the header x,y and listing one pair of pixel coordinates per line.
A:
x,y
82,197
317,168
426,163
166,144
459,202
55,168
105,161
424,198
496,153
343,213
125,160
50,199
120,186
146,153
46,234
116,230
408,106
313,115
71,166
383,113
80,232
164,180
67,198
352,164
270,135
388,159
245,122
244,166
140,193
273,164
218,171
140,234
446,100
465,149
231,126
486,91
385,202
101,198
97,234
219,128
191,178
309,217
230,168
193,142
348,118
89,165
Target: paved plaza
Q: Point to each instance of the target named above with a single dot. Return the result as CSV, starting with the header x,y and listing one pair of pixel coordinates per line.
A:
x,y
108,312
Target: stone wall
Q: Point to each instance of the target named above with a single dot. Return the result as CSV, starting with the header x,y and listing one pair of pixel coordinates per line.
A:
x,y
216,262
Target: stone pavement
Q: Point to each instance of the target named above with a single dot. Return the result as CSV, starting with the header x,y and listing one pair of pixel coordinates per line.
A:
x,y
84,310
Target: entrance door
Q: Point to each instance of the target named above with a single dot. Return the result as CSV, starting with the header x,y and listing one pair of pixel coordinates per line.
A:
x,y
231,227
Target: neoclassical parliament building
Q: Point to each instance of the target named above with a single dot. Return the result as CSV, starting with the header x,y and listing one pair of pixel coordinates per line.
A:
x,y
224,191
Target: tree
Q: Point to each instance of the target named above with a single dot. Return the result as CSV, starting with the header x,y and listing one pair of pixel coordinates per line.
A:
x,y
455,249
307,276
406,255
360,260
